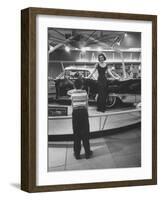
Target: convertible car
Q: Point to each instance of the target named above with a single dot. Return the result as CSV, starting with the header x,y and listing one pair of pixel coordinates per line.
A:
x,y
125,90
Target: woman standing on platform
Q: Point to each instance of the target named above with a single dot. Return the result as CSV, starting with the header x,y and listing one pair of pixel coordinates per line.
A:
x,y
102,69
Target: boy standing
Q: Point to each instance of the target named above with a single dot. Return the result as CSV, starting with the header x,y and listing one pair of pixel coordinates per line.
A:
x,y
80,120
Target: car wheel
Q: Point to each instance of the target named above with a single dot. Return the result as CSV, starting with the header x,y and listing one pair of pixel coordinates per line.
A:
x,y
111,101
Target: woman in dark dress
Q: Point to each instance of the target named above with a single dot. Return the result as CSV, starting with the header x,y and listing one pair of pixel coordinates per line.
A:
x,y
102,83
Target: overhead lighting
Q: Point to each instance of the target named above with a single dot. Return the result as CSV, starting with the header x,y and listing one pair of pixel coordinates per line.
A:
x,y
87,48
67,49
125,34
99,49
83,49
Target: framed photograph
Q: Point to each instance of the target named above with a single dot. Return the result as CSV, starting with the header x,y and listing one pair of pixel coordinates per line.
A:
x,y
88,99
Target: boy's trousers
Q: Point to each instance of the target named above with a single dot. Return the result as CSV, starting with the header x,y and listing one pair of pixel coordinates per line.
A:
x,y
81,130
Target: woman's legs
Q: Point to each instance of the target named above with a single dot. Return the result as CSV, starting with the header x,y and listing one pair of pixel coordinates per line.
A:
x,y
101,100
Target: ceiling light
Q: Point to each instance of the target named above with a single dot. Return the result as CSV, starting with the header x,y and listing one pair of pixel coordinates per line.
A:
x,y
99,49
83,49
87,48
67,48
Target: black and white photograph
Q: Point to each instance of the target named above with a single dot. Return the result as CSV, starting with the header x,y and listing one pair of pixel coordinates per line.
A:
x,y
94,99
89,117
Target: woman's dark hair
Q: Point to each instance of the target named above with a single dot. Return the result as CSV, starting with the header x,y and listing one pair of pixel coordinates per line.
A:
x,y
78,83
101,54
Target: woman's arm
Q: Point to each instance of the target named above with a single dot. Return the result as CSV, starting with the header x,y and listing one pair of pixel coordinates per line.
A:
x,y
116,76
95,68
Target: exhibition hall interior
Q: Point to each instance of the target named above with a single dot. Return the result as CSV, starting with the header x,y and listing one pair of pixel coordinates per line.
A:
x,y
115,131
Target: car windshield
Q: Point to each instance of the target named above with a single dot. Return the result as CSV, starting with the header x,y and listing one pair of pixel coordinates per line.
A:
x,y
76,73
73,74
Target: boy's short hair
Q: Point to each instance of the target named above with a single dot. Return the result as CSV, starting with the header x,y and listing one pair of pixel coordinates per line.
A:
x,y
78,83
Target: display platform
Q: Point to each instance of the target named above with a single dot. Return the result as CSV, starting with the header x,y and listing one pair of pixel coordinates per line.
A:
x,y
60,127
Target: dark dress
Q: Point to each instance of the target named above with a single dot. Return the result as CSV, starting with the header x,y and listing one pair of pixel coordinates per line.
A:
x,y
102,88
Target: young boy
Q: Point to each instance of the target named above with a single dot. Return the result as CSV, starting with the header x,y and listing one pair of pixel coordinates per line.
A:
x,y
80,120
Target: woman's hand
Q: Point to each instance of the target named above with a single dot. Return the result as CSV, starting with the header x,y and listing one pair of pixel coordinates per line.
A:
x,y
93,71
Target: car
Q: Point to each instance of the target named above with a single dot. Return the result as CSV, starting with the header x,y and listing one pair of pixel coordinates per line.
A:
x,y
125,90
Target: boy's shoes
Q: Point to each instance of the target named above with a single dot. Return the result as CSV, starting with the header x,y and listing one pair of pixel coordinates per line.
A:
x,y
77,157
89,155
